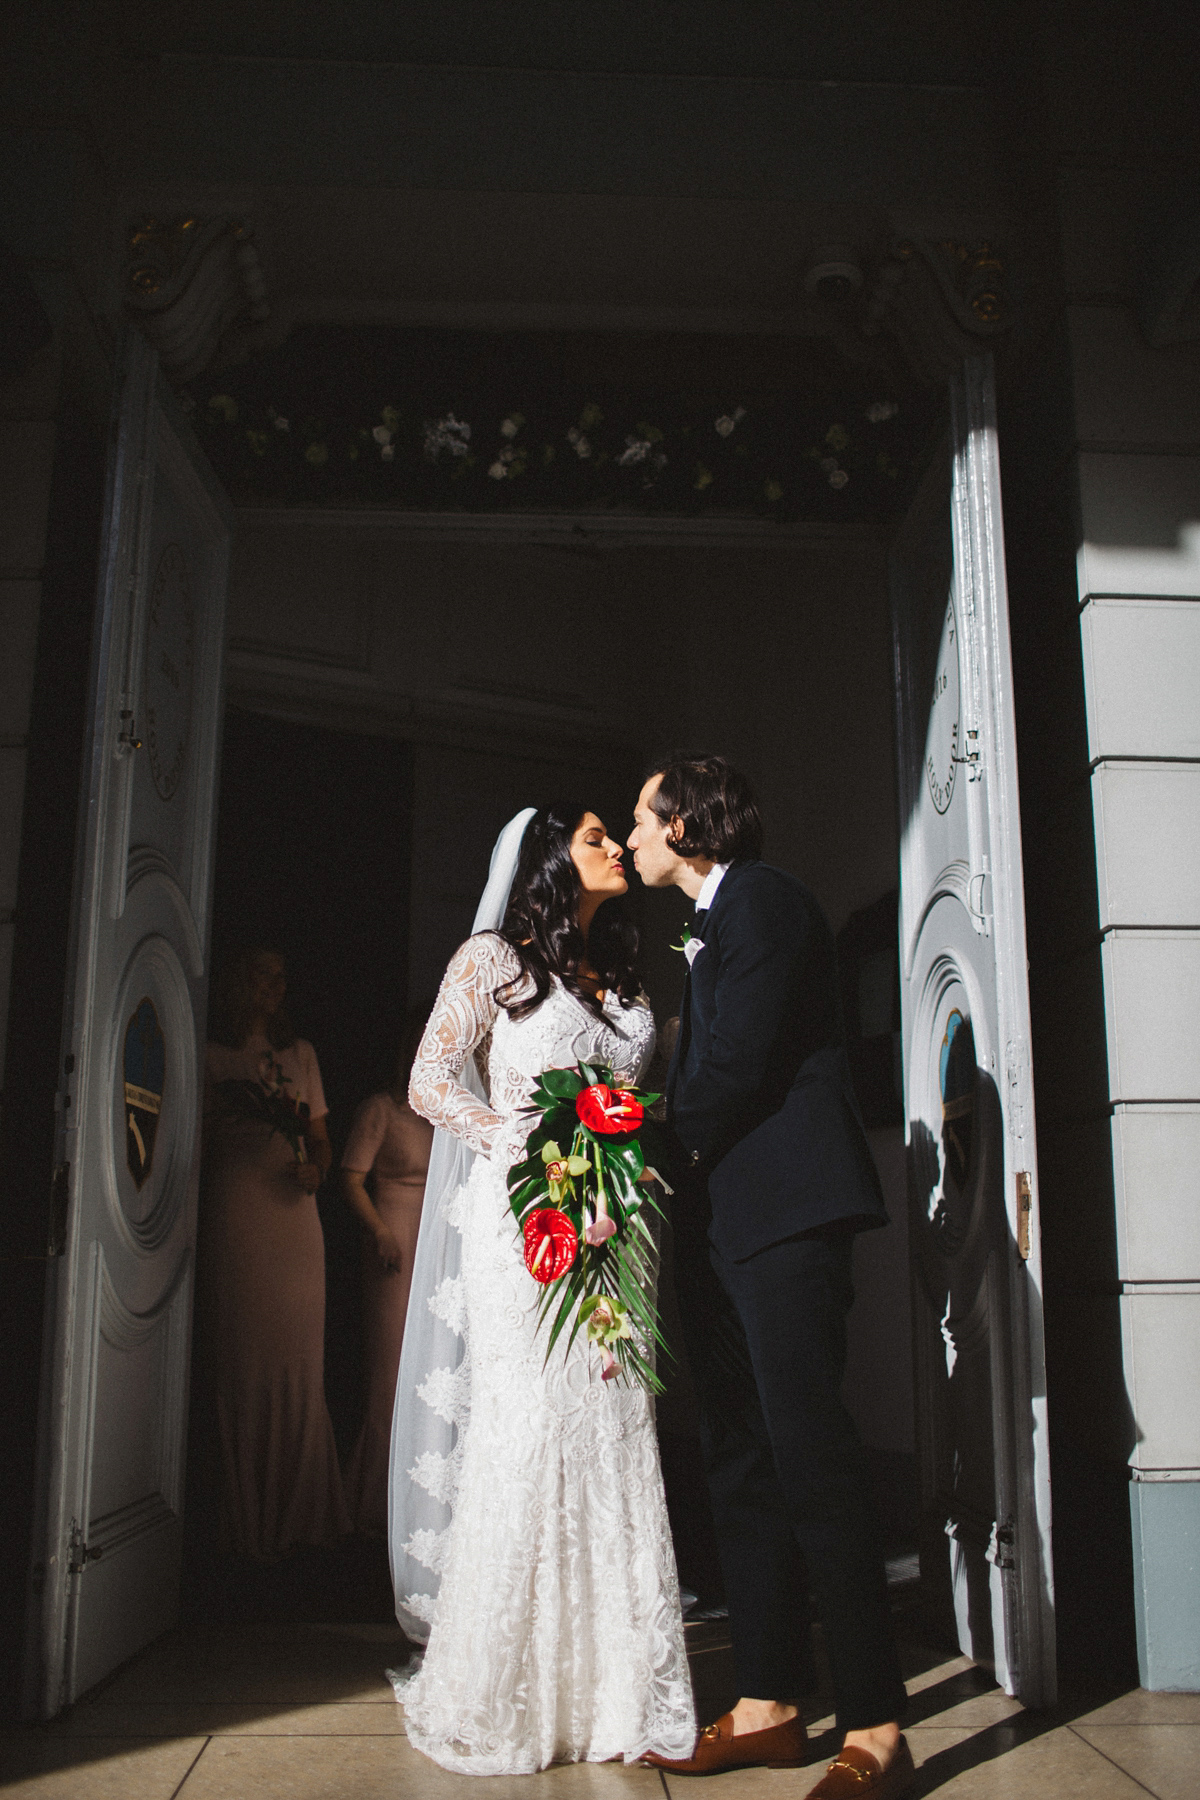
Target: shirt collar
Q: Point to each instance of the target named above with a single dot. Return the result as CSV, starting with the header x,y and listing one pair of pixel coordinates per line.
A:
x,y
712,882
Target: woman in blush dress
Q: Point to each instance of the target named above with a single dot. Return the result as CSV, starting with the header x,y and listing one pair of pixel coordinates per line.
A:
x,y
550,1598
389,1146
262,1268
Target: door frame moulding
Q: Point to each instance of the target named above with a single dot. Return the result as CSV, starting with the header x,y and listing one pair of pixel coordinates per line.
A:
x,y
301,688
608,530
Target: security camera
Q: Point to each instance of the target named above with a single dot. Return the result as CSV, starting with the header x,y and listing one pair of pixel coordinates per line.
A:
x,y
833,273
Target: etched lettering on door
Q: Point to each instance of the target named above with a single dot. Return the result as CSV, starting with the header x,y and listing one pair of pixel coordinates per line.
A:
x,y
942,738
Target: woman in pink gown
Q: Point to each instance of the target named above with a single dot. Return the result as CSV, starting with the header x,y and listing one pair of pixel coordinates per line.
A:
x,y
388,1147
262,1266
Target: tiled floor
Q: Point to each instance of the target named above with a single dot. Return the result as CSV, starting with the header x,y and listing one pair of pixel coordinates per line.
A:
x,y
304,1712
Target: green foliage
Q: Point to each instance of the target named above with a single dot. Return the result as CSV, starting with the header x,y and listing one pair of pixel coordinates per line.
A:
x,y
606,1180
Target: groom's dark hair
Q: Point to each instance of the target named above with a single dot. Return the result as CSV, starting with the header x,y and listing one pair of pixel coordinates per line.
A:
x,y
714,803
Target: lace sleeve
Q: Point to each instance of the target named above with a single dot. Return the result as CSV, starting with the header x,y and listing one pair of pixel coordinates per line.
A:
x,y
465,1012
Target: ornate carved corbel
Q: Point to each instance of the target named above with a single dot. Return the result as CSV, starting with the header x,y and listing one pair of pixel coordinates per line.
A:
x,y
197,289
940,300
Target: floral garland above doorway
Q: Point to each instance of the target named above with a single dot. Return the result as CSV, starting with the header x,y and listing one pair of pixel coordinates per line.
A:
x,y
491,421
784,457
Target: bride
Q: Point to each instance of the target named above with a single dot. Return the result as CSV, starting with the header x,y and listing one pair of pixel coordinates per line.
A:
x,y
556,1634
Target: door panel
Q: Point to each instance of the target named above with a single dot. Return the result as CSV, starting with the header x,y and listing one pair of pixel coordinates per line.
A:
x,y
985,1551
114,1417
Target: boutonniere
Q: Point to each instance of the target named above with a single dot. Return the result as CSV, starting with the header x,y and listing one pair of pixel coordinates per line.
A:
x,y
689,945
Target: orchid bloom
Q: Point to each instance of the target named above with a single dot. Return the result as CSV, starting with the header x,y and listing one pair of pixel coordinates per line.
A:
x,y
561,1171
606,1319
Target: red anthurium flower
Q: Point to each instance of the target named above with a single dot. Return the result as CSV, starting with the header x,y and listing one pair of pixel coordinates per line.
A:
x,y
609,1111
551,1244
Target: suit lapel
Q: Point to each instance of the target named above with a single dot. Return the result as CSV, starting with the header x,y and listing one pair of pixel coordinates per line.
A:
x,y
684,1038
685,1007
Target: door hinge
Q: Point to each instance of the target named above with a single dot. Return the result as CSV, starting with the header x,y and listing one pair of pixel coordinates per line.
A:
x,y
1002,1549
1024,1213
81,1554
60,1198
127,740
971,759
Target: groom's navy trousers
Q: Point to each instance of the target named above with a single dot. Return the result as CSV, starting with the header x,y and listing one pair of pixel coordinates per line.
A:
x,y
777,1178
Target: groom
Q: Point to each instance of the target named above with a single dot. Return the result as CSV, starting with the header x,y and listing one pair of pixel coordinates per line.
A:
x,y
778,1179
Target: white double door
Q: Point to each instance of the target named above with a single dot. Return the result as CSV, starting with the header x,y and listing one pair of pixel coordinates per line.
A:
x,y
972,1167
114,1406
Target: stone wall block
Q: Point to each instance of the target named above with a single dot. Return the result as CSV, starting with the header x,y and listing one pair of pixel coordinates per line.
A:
x,y
1126,393
1139,523
1156,1177
1142,672
1166,1552
1162,1353
1148,843
1152,1004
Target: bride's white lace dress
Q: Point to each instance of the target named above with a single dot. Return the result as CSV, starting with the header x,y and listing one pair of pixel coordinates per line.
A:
x,y
556,1634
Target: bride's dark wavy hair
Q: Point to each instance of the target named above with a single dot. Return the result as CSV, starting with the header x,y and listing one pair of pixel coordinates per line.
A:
x,y
541,922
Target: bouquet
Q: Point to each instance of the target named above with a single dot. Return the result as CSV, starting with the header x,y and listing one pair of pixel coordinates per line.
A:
x,y
268,1101
581,1203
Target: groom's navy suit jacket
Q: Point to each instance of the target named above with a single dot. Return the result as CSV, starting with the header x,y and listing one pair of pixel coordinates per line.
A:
x,y
758,1093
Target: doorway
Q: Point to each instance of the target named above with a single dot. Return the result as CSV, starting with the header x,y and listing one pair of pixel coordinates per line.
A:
x,y
509,655
313,860
532,657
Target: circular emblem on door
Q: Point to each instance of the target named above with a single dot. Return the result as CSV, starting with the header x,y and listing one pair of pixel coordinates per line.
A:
x,y
170,631
956,1079
942,737
145,1063
150,1114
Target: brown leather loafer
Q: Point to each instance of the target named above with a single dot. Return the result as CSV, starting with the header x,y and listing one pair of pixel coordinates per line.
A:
x,y
781,1747
856,1775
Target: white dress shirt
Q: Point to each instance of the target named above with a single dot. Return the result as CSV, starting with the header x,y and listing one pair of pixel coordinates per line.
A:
x,y
704,899
712,882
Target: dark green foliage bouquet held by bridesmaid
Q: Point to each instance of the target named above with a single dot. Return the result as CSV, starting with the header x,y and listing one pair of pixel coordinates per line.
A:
x,y
581,1197
268,1101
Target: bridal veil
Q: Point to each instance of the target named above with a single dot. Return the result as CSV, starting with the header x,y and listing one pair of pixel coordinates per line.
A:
x,y
433,1389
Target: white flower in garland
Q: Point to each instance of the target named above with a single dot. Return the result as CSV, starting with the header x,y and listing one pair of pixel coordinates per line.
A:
x,y
838,478
385,434
728,422
636,451
881,410
449,434
580,443
511,462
